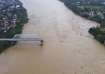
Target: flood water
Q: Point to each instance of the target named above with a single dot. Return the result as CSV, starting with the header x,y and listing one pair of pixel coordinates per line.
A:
x,y
68,48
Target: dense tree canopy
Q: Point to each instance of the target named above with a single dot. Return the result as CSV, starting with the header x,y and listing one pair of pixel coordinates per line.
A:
x,y
13,16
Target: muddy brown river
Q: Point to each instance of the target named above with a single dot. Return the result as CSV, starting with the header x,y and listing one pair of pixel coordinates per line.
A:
x,y
68,48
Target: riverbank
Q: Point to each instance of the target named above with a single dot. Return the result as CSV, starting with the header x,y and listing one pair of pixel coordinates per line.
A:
x,y
13,16
93,10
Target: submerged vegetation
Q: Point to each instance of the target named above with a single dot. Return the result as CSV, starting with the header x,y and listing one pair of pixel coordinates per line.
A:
x,y
93,10
13,16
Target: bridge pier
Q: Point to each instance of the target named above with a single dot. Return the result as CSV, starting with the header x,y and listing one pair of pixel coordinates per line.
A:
x,y
42,41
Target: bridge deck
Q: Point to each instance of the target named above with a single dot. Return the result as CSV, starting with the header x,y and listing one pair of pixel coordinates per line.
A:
x,y
20,39
23,37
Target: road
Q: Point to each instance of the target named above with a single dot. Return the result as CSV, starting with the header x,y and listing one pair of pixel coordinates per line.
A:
x,y
68,48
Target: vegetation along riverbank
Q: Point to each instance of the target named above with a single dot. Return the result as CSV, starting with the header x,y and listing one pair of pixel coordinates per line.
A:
x,y
13,16
93,10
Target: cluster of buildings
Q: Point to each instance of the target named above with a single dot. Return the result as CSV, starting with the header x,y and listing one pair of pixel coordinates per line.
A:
x,y
6,23
8,17
91,8
87,2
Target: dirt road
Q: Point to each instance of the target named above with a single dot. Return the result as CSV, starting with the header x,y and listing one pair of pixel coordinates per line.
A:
x,y
68,48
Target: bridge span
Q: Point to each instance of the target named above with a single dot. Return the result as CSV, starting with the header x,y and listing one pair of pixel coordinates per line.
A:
x,y
24,37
